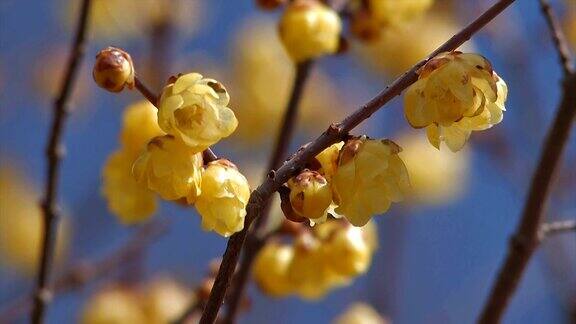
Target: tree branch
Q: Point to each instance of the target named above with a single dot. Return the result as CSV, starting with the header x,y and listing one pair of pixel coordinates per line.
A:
x,y
526,239
54,153
558,37
83,272
262,194
558,227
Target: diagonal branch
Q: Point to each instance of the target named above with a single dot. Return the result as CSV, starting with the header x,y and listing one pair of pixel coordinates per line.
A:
x,y
54,153
262,194
526,239
558,37
84,272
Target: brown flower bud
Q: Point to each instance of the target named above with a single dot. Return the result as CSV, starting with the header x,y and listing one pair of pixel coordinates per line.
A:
x,y
113,69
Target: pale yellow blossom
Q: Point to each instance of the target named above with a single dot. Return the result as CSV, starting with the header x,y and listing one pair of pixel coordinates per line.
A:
x,y
370,177
271,269
139,125
194,109
225,193
170,168
310,195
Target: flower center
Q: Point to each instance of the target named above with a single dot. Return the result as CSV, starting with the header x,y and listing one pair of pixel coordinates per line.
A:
x,y
188,117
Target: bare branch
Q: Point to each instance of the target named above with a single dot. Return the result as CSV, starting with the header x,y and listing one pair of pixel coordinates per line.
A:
x,y
54,153
558,37
526,240
84,272
262,194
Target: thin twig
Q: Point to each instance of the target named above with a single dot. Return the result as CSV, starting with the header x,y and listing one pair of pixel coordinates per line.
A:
x,y
84,272
558,227
558,37
526,240
335,132
283,140
54,153
146,92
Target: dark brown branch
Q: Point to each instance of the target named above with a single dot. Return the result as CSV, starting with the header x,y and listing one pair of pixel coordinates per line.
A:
x,y
84,272
283,139
146,92
526,239
54,153
262,194
558,37
558,227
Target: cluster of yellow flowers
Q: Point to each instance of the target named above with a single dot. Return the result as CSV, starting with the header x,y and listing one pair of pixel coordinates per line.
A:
x,y
160,301
163,151
21,225
309,29
357,180
456,93
326,257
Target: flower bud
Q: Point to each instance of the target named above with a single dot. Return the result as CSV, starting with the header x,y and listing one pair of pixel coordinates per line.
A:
x,y
456,93
348,251
309,29
310,195
370,176
361,313
113,305
113,69
126,198
225,193
170,168
271,269
193,109
392,13
165,299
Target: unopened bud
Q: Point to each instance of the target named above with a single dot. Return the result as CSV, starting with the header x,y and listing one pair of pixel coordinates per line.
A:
x,y
113,69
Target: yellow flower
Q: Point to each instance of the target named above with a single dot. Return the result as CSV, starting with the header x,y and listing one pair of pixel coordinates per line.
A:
x,y
127,199
455,94
139,125
328,160
370,176
170,168
271,269
309,270
398,49
392,13
113,70
262,74
164,300
310,195
21,224
360,313
348,250
436,176
193,109
309,29
225,193
113,305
